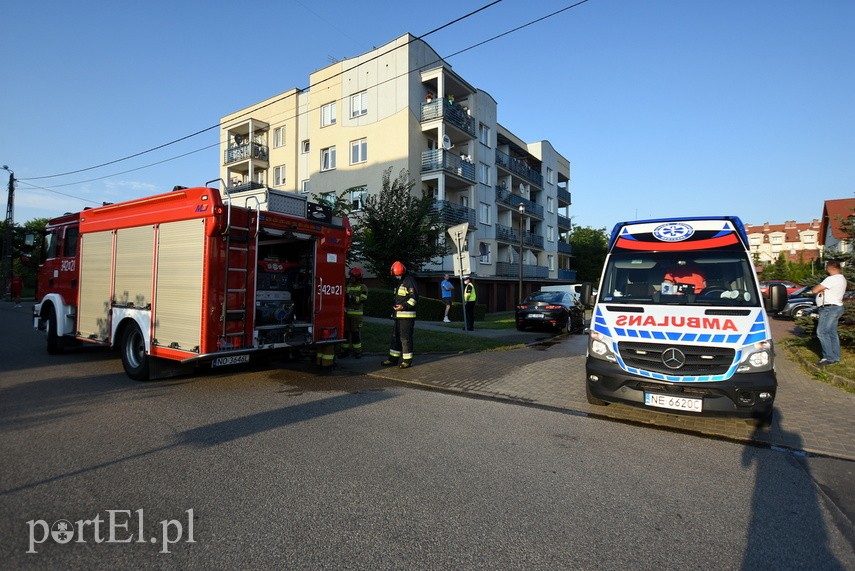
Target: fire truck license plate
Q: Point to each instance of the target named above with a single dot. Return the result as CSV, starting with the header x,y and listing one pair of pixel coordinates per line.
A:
x,y
672,402
233,360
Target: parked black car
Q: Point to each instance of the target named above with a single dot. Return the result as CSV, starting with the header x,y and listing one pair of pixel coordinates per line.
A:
x,y
551,309
797,303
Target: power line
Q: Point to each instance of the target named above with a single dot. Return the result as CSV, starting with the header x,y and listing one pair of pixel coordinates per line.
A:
x,y
270,103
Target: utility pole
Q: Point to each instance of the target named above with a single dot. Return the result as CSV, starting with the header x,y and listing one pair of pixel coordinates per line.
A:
x,y
7,240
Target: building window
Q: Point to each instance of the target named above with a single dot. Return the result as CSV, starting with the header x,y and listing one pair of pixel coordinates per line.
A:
x,y
359,104
279,175
484,213
484,134
484,173
550,233
550,204
484,253
328,159
358,196
328,114
550,175
550,262
305,186
279,137
305,146
358,151
327,198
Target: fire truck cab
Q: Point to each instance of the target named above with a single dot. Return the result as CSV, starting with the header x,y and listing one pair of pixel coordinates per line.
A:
x,y
193,276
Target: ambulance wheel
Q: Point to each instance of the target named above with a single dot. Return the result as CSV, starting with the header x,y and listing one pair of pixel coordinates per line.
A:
x,y
55,343
134,358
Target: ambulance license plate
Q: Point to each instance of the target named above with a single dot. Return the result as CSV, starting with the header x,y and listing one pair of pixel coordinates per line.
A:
x,y
674,403
233,360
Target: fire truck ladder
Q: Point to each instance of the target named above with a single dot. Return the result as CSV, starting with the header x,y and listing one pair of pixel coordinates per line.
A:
x,y
238,265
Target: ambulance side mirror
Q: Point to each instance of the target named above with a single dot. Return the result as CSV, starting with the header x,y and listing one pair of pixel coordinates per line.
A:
x,y
586,295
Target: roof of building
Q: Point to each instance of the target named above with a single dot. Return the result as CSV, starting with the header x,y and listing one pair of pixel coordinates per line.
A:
x,y
792,230
834,212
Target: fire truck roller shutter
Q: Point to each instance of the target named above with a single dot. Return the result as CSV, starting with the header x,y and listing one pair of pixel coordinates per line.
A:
x,y
96,262
180,264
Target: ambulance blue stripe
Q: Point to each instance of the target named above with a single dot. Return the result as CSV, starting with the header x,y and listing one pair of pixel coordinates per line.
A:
x,y
659,335
690,337
672,336
733,338
755,338
705,338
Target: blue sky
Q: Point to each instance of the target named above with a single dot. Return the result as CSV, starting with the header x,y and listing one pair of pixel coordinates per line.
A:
x,y
664,108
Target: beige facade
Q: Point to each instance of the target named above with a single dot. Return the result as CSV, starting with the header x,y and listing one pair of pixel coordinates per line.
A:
x,y
796,241
402,106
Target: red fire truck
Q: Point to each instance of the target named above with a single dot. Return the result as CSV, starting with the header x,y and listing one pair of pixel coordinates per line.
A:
x,y
193,276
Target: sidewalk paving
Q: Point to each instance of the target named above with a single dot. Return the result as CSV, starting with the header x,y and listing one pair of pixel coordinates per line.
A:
x,y
548,371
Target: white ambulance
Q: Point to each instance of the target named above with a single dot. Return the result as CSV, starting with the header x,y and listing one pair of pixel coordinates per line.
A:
x,y
679,324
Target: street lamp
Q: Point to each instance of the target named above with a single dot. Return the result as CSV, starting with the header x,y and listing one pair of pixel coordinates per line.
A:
x,y
7,241
521,209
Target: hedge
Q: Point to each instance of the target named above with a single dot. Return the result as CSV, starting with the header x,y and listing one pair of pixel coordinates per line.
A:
x,y
379,304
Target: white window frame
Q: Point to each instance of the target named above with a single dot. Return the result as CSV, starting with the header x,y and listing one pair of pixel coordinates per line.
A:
x,y
550,175
304,146
328,116
550,233
278,137
550,204
484,258
279,175
305,185
327,198
328,159
358,151
550,262
485,213
484,173
484,134
359,104
357,198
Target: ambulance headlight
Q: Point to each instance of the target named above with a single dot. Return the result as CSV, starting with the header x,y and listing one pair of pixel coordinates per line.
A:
x,y
598,346
758,357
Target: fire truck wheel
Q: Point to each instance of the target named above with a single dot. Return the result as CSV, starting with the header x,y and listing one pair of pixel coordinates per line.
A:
x,y
55,343
134,358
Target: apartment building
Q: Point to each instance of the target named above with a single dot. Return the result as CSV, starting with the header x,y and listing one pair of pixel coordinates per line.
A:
x,y
402,106
796,241
834,236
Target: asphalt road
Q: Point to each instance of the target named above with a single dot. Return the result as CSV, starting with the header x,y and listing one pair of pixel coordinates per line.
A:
x,y
284,468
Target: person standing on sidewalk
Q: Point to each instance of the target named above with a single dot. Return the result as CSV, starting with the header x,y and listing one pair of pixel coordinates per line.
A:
x,y
829,298
355,295
469,297
404,312
447,289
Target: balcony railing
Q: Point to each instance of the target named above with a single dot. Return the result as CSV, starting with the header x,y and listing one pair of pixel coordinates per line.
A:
x,y
512,269
565,274
508,198
440,159
244,186
453,214
564,222
450,112
519,167
565,248
244,152
512,236
564,197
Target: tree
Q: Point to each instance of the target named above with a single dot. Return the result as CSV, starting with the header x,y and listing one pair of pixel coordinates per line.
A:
x,y
395,225
342,205
590,246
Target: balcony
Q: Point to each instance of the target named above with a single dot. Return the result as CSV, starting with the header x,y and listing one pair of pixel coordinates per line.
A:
x,y
440,159
453,214
244,186
565,248
245,151
453,114
563,197
519,168
566,274
512,236
564,222
508,198
512,269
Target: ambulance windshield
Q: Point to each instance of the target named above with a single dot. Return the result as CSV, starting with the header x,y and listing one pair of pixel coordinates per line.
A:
x,y
682,278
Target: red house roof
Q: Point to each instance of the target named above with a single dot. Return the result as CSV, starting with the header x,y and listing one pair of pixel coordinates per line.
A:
x,y
833,213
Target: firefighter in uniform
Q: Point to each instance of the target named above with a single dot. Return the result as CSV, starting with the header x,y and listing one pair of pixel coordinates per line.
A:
x,y
355,295
404,311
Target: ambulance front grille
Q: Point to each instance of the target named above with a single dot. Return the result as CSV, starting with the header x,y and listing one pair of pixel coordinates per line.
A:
x,y
680,360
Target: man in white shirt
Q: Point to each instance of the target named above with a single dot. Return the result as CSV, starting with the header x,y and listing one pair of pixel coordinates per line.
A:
x,y
829,298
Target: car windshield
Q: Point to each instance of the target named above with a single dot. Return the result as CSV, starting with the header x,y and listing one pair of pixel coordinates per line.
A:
x,y
680,278
546,297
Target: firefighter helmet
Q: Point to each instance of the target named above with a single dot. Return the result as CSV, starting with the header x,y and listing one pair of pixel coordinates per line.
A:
x,y
398,269
356,273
